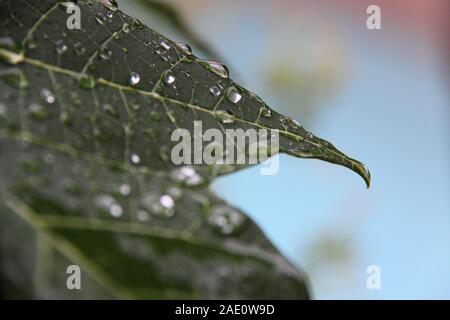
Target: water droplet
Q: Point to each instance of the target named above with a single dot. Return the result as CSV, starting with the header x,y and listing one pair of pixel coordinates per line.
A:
x,y
233,95
161,206
265,112
109,15
105,53
220,69
79,49
135,158
165,45
292,122
110,4
109,204
309,135
225,219
186,175
86,82
47,96
60,47
31,43
169,77
126,27
184,47
224,117
14,77
215,91
138,24
124,189
134,78
101,17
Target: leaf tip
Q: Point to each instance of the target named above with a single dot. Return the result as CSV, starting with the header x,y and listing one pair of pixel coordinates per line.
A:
x,y
364,172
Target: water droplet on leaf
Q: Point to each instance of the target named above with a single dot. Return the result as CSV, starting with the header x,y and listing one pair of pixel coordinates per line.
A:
x,y
48,96
215,91
233,95
219,69
135,158
225,219
224,117
60,47
134,78
169,77
186,175
184,47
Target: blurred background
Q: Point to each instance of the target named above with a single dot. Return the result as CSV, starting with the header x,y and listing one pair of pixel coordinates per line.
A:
x,y
381,96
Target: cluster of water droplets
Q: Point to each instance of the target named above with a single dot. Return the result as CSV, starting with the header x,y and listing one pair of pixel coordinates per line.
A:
x,y
186,175
108,203
225,219
161,206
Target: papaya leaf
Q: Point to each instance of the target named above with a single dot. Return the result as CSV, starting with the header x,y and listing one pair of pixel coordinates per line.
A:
x,y
86,176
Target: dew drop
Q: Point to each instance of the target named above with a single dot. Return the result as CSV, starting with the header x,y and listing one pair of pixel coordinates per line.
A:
x,y
265,112
186,175
124,189
184,47
47,96
165,45
79,49
60,47
110,4
135,158
220,69
224,117
126,27
109,204
105,53
138,24
225,219
233,95
31,44
134,78
110,15
160,206
169,77
215,91
101,17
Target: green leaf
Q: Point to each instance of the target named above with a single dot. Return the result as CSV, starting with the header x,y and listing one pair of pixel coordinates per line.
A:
x,y
85,123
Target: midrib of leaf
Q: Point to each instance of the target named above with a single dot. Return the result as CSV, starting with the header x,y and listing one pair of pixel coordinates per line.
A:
x,y
356,165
